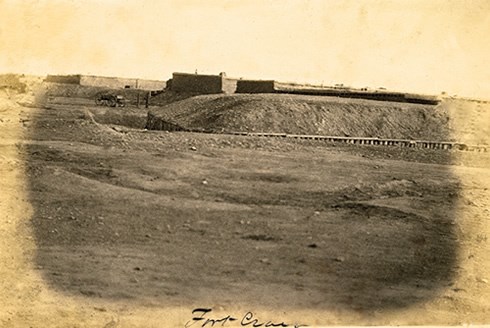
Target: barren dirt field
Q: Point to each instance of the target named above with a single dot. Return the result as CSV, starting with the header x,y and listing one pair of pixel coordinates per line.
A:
x,y
105,224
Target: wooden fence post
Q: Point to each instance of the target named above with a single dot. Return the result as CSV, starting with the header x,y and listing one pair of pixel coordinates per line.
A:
x,y
148,95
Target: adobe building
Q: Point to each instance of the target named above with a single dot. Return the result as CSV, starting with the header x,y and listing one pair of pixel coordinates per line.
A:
x,y
202,84
108,82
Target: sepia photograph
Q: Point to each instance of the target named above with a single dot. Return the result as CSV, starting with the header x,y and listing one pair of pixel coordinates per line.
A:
x,y
257,163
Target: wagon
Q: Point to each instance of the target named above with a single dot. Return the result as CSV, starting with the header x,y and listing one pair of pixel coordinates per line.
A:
x,y
107,99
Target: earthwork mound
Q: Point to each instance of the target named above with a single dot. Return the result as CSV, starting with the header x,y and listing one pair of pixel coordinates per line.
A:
x,y
297,114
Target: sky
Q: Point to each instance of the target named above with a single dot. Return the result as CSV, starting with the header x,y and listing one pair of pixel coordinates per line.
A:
x,y
404,45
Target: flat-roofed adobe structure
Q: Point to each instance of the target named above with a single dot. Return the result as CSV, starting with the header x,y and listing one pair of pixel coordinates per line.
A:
x,y
202,84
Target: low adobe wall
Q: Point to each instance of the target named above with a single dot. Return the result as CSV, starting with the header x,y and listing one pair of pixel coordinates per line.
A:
x,y
151,85
107,82
66,79
255,86
271,86
383,96
122,83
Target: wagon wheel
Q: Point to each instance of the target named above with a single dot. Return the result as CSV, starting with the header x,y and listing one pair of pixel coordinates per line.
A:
x,y
121,102
112,102
99,101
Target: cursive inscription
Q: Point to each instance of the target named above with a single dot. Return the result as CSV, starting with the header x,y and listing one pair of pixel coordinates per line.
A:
x,y
201,319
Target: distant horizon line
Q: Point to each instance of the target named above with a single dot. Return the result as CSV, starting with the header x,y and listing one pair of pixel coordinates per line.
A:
x,y
312,84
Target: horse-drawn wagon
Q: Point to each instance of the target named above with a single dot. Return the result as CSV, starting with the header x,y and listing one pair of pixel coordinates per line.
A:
x,y
108,99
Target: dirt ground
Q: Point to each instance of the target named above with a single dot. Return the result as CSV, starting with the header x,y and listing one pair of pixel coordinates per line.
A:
x,y
107,225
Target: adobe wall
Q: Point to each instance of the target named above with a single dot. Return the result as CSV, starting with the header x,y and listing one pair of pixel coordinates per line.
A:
x,y
66,79
255,86
108,82
204,84
122,83
151,85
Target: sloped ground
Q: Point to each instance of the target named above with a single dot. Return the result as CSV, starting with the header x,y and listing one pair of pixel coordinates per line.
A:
x,y
299,114
169,96
452,120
